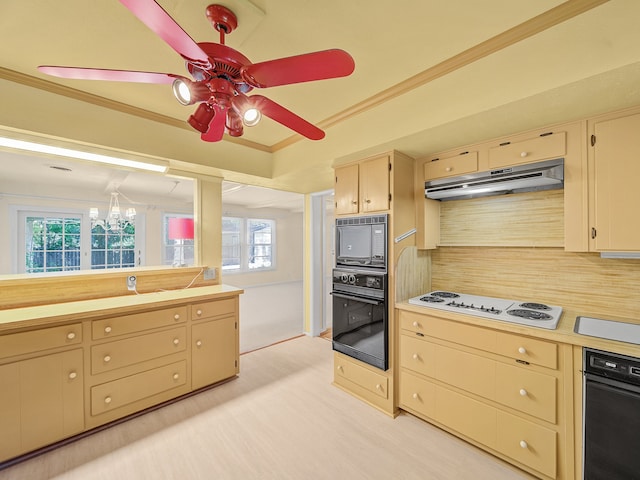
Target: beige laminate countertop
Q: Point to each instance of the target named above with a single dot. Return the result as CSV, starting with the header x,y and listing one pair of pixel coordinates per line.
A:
x,y
563,333
43,315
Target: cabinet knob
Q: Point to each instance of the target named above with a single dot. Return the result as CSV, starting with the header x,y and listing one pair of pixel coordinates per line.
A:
x,y
339,367
176,316
378,386
523,154
176,376
415,396
415,324
71,335
523,444
72,375
198,312
107,400
176,341
415,356
354,202
199,343
107,329
448,169
522,350
107,359
523,392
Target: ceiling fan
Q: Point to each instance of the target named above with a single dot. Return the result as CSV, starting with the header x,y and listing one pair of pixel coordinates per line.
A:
x,y
222,76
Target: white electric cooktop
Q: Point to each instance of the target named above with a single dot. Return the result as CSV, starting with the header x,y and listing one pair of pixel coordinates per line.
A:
x,y
532,314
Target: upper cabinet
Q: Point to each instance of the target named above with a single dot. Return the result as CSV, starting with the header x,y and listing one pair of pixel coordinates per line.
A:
x,y
451,165
543,146
363,187
614,161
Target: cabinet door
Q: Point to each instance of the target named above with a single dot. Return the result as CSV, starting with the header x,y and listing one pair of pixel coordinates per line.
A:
x,y
374,185
42,402
616,155
214,351
346,189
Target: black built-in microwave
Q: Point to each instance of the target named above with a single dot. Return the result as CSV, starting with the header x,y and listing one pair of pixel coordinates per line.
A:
x,y
361,242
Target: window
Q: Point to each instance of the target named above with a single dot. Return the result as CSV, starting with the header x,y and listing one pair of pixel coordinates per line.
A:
x,y
59,242
52,244
247,244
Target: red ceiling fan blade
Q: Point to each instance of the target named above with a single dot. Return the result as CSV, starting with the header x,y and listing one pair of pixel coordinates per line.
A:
x,y
161,23
216,125
285,117
78,73
300,68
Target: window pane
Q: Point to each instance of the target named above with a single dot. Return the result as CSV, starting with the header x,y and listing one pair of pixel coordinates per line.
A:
x,y
178,240
52,244
231,247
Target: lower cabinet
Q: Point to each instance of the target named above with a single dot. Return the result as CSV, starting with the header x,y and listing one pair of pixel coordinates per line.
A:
x,y
470,381
134,361
41,401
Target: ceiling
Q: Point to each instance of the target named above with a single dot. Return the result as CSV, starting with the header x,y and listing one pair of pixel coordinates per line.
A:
x,y
429,75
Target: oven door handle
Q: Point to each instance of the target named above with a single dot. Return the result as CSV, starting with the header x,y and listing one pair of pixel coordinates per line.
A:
x,y
358,299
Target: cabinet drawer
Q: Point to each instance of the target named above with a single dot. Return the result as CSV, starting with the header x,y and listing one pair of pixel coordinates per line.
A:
x,y
527,443
137,322
530,150
530,392
531,350
417,355
112,395
448,167
417,394
468,335
216,308
112,355
466,416
373,382
467,371
37,340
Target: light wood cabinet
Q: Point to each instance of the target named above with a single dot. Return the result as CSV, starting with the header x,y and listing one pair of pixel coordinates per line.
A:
x,y
362,187
499,390
366,382
613,158
41,401
544,146
214,351
451,166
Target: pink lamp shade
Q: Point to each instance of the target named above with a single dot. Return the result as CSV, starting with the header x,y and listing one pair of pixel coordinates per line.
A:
x,y
180,228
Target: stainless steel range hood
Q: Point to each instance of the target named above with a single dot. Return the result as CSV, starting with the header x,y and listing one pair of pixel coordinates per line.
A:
x,y
545,175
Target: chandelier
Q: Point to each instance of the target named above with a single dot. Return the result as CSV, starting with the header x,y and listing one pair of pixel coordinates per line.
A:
x,y
114,220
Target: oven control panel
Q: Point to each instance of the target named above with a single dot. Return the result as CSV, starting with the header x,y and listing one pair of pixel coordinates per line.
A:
x,y
359,279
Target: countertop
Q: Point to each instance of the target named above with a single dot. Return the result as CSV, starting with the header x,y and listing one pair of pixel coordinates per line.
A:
x,y
43,315
563,333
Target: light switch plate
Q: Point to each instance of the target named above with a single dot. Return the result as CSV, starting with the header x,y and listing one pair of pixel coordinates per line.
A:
x,y
209,274
131,283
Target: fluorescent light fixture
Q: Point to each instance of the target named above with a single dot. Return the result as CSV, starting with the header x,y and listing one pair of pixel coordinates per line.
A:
x,y
68,152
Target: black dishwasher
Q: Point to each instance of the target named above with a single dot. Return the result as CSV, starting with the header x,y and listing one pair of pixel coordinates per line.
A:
x,y
611,442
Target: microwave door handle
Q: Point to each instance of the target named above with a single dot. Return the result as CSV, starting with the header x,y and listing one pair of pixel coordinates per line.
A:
x,y
357,299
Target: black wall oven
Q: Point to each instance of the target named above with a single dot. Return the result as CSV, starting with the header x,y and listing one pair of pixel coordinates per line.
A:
x,y
360,317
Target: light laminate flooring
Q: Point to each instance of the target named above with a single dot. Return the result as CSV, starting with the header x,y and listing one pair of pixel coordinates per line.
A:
x,y
281,419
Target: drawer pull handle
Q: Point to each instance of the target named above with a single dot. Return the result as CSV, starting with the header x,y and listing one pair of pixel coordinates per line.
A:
x,y
176,316
198,312
448,169
107,329
522,350
107,400
176,376
378,386
340,368
523,444
415,356
415,324
71,335
415,396
107,359
368,200
176,341
523,392
72,375
523,154
199,343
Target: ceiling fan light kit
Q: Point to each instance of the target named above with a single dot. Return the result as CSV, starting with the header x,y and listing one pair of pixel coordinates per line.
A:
x,y
221,75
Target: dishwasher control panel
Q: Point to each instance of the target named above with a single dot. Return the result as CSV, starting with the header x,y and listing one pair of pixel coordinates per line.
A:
x,y
612,365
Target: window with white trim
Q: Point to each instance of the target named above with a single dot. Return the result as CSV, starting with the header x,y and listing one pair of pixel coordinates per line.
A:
x,y
247,244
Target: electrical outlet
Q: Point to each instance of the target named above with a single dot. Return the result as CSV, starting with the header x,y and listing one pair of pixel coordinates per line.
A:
x,y
209,274
131,283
